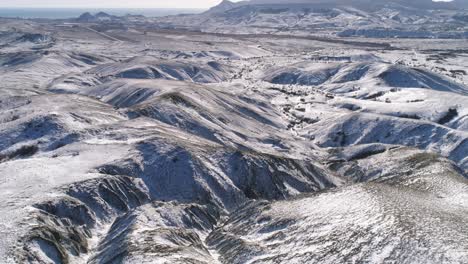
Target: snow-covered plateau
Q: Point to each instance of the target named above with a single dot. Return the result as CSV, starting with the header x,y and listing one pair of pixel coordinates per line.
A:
x,y
256,132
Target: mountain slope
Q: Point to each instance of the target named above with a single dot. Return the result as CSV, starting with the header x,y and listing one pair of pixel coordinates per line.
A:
x,y
368,4
396,18
134,141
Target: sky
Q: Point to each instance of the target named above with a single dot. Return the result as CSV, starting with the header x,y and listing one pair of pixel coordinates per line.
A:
x,y
115,3
111,3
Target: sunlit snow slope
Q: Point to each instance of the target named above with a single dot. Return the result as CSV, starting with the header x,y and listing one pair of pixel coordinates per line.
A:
x,y
121,142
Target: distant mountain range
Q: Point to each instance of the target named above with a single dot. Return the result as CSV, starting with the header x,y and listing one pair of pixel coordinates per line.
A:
x,y
361,4
344,18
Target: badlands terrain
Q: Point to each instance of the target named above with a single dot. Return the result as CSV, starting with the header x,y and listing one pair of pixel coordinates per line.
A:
x,y
256,132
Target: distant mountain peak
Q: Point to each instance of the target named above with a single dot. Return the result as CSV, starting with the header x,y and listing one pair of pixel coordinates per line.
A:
x,y
86,17
224,6
102,14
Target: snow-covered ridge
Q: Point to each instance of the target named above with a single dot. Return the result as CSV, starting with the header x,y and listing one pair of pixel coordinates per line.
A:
x,y
357,18
122,142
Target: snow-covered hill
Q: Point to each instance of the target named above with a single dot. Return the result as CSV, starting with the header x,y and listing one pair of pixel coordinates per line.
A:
x,y
374,19
121,142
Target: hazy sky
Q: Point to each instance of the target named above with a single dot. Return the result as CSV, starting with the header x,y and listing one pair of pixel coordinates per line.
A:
x,y
111,3
115,3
